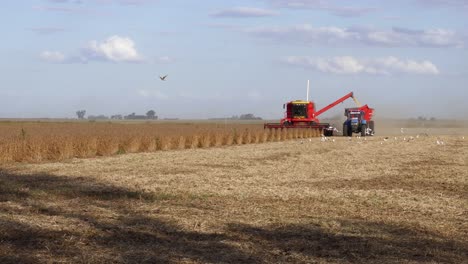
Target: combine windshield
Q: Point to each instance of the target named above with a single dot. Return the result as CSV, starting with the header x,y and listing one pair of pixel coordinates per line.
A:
x,y
299,110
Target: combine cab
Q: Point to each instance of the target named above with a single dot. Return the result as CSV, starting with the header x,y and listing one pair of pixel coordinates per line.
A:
x,y
358,120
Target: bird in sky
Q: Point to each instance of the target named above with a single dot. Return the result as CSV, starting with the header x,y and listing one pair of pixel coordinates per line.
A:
x,y
163,78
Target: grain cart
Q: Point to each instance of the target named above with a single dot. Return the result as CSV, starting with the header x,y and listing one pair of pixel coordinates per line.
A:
x,y
359,120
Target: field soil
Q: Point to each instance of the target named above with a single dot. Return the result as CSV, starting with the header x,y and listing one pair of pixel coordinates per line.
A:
x,y
342,200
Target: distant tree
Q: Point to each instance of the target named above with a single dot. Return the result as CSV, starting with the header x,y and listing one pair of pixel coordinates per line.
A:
x,y
130,116
151,114
249,117
118,117
81,114
98,117
433,119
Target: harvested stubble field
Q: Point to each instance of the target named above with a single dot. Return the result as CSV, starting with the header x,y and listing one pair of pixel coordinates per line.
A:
x,y
298,201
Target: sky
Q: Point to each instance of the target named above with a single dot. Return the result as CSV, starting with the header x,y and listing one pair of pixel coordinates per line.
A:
x,y
405,58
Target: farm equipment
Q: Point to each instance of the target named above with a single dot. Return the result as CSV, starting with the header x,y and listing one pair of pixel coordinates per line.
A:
x,y
358,120
302,114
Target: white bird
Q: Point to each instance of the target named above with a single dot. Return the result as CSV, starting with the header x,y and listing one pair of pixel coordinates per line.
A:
x,y
438,142
463,138
402,130
163,78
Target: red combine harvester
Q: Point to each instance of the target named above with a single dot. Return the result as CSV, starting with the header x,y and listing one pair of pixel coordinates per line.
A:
x,y
302,114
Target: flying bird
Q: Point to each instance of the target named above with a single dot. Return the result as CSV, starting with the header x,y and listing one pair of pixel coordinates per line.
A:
x,y
163,78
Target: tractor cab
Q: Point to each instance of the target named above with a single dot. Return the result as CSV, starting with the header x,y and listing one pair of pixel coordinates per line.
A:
x,y
356,117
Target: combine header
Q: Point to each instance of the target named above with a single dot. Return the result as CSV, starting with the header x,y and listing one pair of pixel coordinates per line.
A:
x,y
302,114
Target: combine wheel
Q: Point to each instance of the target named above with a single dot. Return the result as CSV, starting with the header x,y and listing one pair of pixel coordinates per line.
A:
x,y
363,130
371,126
346,131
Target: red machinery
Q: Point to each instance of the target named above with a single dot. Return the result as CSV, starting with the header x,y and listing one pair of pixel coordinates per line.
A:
x,y
359,120
302,114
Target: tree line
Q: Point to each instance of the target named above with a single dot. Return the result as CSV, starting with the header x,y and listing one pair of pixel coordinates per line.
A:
x,y
150,115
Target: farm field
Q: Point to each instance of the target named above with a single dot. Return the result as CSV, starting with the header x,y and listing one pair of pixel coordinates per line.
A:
x,y
302,201
43,140
58,141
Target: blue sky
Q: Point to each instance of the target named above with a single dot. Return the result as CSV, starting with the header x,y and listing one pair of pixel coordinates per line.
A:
x,y
404,58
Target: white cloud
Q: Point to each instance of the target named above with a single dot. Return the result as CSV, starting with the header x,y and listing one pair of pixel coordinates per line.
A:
x,y
52,56
127,2
303,33
458,4
439,37
114,49
350,11
122,2
308,34
70,10
393,64
242,12
351,65
135,2
152,94
65,1
335,9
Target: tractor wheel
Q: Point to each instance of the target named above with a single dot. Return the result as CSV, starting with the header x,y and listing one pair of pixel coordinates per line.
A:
x,y
371,126
363,130
346,131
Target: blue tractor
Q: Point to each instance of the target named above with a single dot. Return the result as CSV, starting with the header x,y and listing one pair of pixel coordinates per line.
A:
x,y
358,120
